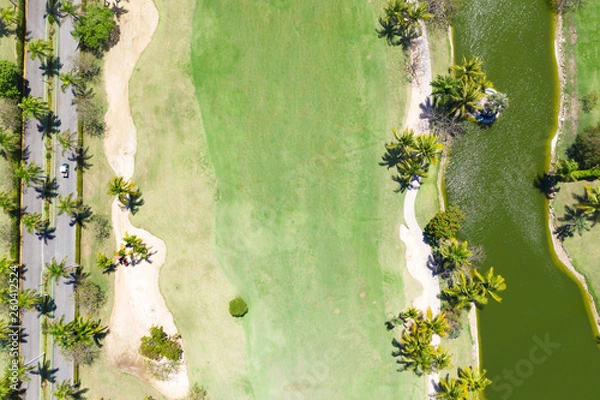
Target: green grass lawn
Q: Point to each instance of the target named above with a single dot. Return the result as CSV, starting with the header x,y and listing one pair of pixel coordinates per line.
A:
x,y
297,217
583,250
296,111
583,45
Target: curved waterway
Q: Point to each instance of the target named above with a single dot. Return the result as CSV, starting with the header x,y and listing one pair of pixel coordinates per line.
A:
x,y
539,343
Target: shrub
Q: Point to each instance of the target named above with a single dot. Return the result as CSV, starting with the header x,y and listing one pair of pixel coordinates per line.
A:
x,y
444,225
160,345
586,148
91,297
589,102
238,307
10,80
94,28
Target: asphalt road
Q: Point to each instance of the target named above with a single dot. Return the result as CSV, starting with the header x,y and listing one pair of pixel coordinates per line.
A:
x,y
37,252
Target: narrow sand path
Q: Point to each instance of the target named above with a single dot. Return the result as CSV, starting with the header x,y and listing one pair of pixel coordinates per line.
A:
x,y
418,253
138,302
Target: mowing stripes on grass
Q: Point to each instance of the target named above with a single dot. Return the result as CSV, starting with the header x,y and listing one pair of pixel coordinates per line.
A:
x,y
295,105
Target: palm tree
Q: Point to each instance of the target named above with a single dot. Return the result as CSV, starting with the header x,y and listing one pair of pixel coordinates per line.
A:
x,y
438,324
31,221
490,283
455,254
8,265
450,389
463,292
409,168
474,381
68,141
428,148
590,205
60,331
498,100
30,174
28,299
69,78
119,187
67,8
416,12
86,331
9,143
69,391
443,89
55,269
34,107
67,204
39,48
105,263
466,100
7,201
470,70
565,169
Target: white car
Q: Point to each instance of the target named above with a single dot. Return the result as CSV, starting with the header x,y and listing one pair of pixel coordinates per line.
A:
x,y
64,170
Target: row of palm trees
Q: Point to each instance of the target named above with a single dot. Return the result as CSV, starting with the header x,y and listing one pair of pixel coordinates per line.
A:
x,y
415,349
400,23
469,384
131,252
417,353
412,155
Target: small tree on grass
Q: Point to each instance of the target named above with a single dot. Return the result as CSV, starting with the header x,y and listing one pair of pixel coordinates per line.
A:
x,y
196,393
91,297
589,102
238,307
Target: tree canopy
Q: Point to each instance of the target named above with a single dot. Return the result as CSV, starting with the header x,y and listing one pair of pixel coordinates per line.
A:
x,y
586,148
10,80
94,28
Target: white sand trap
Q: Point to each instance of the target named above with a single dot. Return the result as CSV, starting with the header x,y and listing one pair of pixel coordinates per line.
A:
x,y
138,302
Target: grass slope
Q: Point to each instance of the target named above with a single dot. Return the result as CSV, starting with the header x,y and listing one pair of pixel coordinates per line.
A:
x,y
583,250
582,34
296,111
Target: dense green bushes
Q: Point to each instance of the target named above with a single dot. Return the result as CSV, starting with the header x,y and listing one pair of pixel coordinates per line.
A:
x,y
10,80
160,345
586,149
94,28
444,225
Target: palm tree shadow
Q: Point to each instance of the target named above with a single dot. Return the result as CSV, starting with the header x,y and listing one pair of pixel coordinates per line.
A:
x,y
46,233
77,277
45,371
47,190
49,125
546,184
51,66
46,307
81,157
